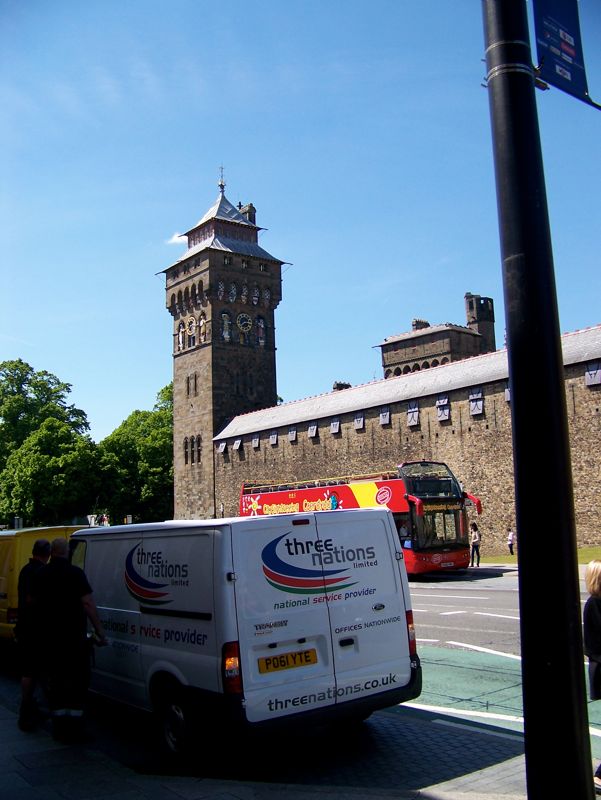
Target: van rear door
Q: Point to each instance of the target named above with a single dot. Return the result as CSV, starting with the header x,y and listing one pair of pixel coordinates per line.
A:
x,y
368,616
283,621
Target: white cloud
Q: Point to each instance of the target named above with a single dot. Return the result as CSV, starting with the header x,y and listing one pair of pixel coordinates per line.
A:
x,y
177,238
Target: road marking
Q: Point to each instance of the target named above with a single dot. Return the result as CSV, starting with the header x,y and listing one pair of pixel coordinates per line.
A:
x,y
499,616
481,714
427,640
451,596
450,613
465,712
515,736
485,650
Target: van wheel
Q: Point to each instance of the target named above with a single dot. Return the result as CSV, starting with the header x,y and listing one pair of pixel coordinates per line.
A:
x,y
174,719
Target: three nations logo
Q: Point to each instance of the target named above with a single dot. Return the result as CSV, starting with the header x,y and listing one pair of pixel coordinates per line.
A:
x,y
141,588
299,580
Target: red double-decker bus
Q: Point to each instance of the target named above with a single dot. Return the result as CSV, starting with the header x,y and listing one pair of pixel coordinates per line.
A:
x,y
427,501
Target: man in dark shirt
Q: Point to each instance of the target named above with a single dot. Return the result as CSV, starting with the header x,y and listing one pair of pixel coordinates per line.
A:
x,y
27,635
64,604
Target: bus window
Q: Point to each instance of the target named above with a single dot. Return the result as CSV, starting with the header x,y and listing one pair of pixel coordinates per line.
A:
x,y
403,526
438,529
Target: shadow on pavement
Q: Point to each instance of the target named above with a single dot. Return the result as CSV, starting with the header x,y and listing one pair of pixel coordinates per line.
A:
x,y
401,749
472,574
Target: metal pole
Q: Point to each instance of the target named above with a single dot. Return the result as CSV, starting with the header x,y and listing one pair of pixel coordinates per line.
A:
x,y
553,684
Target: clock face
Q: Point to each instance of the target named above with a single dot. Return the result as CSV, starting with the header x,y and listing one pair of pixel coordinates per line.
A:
x,y
244,322
191,325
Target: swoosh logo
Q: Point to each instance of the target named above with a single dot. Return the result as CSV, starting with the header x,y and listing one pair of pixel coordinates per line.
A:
x,y
299,580
141,588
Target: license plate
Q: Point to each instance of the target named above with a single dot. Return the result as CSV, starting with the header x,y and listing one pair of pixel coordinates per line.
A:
x,y
287,661
448,564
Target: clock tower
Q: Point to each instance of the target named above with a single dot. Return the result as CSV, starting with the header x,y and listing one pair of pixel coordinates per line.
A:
x,y
221,294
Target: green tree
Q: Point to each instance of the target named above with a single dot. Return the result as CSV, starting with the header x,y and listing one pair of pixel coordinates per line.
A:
x,y
53,478
138,462
27,399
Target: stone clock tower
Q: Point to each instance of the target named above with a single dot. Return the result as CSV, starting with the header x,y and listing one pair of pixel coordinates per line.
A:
x,y
222,295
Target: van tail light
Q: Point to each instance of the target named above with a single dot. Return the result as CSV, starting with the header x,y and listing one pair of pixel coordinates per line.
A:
x,y
411,634
12,615
230,668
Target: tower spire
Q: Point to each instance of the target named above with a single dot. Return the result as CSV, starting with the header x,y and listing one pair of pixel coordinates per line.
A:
x,y
221,183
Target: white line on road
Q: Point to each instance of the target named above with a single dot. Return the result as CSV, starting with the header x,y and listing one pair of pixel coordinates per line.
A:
x,y
499,616
421,641
450,613
487,732
465,712
454,711
450,596
485,650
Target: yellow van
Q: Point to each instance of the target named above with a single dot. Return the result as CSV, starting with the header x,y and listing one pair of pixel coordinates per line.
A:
x,y
15,552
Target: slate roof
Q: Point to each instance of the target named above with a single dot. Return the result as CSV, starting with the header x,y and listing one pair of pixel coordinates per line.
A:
x,y
223,209
578,347
444,326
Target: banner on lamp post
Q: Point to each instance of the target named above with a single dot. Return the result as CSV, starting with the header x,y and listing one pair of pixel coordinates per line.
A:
x,y
559,47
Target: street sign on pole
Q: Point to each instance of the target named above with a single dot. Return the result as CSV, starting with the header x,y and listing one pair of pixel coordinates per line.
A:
x,y
559,47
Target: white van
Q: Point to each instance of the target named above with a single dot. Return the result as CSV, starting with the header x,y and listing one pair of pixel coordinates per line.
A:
x,y
263,621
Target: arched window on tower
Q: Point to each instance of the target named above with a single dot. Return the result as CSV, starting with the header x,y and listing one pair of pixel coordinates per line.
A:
x,y
186,450
192,449
198,448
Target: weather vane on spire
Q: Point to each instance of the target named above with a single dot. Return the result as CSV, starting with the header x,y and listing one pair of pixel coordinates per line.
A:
x,y
221,181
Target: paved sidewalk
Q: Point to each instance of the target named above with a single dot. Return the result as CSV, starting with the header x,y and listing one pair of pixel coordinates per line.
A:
x,y
401,753
445,759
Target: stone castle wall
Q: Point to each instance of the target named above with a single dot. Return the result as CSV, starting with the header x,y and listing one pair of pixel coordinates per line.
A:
x,y
477,448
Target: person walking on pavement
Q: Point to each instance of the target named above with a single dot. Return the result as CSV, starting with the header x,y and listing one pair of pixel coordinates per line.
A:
x,y
26,634
510,540
475,540
64,603
592,639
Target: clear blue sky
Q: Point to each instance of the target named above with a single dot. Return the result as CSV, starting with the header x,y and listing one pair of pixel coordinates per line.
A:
x,y
360,131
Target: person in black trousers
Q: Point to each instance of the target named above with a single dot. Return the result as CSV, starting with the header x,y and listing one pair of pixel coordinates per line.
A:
x,y
475,540
592,639
27,635
64,604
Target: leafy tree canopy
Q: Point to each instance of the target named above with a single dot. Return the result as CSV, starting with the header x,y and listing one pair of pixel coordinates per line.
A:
x,y
27,399
53,477
141,452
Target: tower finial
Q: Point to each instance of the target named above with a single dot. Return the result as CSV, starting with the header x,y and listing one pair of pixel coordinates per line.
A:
x,y
221,181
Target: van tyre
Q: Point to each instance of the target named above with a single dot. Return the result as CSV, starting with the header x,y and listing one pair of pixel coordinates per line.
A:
x,y
174,716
